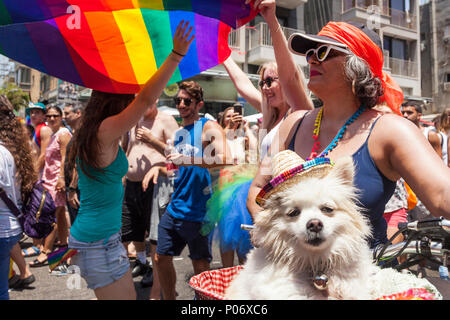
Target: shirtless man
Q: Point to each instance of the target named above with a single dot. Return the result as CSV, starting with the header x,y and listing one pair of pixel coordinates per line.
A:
x,y
146,143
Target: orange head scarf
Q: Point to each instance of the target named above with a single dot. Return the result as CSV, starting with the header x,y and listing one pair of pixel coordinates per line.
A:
x,y
362,46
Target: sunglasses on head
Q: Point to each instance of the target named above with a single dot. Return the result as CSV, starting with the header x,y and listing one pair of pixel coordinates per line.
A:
x,y
267,81
187,101
323,51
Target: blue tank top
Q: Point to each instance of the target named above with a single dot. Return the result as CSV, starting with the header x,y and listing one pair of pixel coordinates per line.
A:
x,y
100,213
375,189
192,189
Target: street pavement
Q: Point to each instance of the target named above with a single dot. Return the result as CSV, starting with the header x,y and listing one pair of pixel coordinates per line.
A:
x,y
72,287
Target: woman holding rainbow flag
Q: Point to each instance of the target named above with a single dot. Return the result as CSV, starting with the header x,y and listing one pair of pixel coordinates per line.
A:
x,y
101,164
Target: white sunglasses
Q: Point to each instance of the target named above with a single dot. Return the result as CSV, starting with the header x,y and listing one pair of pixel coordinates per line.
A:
x,y
323,51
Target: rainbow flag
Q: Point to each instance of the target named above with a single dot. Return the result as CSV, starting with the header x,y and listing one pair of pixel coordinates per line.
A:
x,y
57,257
116,45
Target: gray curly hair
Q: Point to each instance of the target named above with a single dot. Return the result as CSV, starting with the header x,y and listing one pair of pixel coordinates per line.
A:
x,y
367,88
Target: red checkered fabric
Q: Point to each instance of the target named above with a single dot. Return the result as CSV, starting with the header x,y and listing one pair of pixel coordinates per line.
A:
x,y
211,285
411,294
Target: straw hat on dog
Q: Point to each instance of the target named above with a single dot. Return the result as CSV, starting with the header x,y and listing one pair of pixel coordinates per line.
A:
x,y
288,168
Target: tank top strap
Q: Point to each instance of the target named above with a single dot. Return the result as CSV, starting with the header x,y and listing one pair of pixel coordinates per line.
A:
x,y
292,143
371,128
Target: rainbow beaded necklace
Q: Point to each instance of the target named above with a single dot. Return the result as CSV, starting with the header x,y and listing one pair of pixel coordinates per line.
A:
x,y
336,139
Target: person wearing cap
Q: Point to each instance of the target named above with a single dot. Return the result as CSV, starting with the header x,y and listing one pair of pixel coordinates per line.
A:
x,y
41,139
36,112
346,73
42,134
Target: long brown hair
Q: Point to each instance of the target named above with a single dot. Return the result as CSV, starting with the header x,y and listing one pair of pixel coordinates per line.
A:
x,y
14,137
85,146
222,120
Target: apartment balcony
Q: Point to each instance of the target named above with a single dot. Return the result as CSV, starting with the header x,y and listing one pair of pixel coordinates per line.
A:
x,y
365,10
236,42
261,48
400,67
25,86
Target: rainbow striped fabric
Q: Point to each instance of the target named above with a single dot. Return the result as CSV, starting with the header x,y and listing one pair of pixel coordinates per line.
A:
x,y
288,174
57,257
116,45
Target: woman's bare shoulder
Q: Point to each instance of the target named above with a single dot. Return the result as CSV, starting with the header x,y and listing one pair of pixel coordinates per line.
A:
x,y
393,123
295,115
289,125
293,119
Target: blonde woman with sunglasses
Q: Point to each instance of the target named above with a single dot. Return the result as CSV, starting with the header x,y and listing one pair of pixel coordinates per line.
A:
x,y
274,104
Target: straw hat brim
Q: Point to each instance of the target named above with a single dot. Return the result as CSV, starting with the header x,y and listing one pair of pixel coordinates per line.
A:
x,y
274,186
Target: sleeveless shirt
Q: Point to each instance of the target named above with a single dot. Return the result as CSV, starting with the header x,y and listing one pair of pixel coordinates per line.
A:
x,y
374,189
100,213
192,189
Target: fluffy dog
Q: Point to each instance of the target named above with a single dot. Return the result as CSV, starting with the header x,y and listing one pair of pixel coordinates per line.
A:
x,y
312,229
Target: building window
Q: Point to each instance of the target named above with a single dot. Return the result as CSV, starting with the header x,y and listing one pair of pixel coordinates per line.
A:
x,y
400,5
45,83
407,91
397,47
25,75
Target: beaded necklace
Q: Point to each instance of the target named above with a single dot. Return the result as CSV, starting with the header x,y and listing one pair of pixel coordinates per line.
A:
x,y
315,136
336,139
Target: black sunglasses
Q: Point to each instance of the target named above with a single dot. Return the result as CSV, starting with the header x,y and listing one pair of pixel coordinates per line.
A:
x,y
187,101
49,116
268,81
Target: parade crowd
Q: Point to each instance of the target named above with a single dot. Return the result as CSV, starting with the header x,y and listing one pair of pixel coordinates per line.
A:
x,y
123,174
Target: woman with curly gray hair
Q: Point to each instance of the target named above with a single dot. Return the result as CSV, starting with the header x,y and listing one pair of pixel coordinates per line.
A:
x,y
346,73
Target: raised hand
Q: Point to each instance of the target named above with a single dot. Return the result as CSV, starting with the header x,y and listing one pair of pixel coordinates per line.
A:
x,y
236,120
268,9
182,39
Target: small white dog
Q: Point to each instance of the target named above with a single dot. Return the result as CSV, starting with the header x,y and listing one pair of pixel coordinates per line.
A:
x,y
312,230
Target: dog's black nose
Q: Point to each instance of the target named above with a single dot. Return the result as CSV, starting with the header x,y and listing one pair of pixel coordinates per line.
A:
x,y
314,225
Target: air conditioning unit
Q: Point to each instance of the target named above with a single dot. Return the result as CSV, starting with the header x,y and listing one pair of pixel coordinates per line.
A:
x,y
446,86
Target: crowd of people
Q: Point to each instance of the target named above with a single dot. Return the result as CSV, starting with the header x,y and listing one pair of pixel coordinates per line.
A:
x,y
107,171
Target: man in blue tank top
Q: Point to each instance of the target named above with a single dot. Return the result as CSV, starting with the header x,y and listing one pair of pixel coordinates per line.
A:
x,y
200,145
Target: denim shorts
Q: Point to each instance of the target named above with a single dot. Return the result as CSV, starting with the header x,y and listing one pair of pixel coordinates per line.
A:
x,y
174,234
101,262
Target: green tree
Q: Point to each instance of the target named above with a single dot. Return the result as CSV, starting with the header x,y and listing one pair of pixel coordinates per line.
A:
x,y
19,98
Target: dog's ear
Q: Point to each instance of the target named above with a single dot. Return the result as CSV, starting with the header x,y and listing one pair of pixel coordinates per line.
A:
x,y
344,170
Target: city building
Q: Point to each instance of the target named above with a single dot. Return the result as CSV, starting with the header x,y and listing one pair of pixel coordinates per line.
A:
x,y
435,55
397,23
42,87
27,79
